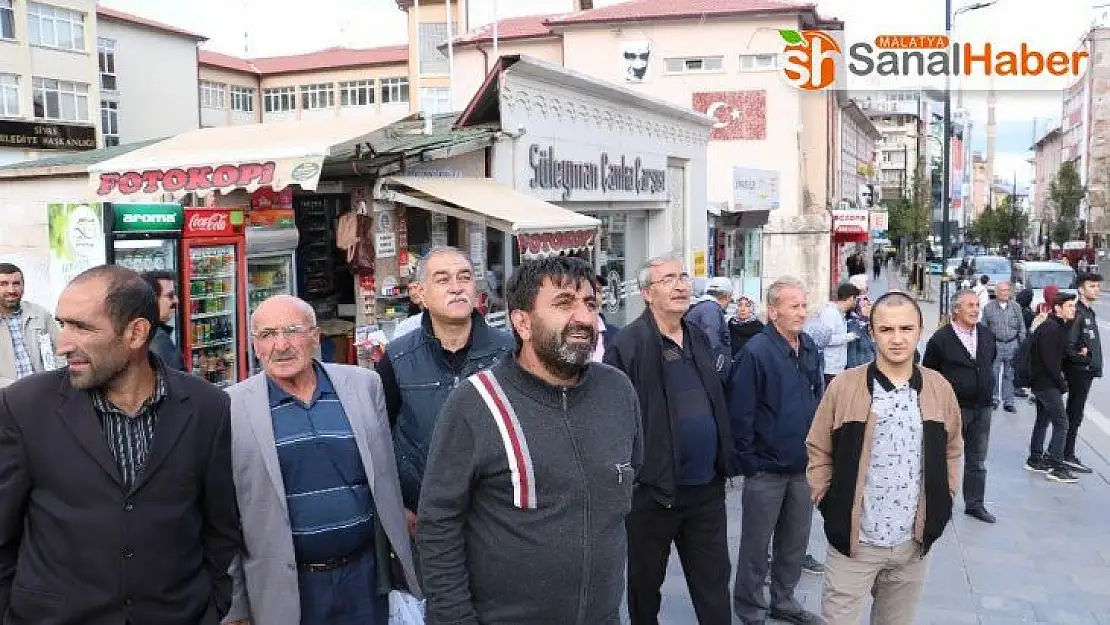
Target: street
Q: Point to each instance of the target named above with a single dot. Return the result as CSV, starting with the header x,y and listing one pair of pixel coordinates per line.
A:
x,y
1045,561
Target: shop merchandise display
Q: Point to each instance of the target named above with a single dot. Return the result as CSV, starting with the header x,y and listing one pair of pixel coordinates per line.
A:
x,y
212,313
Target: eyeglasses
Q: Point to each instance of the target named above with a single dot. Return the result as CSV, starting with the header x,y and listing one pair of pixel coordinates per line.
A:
x,y
267,335
673,280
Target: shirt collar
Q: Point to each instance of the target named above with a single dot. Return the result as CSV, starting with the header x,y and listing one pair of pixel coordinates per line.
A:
x,y
161,392
278,395
875,376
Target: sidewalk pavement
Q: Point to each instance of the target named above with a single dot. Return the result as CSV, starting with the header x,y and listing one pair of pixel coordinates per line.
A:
x,y
1046,561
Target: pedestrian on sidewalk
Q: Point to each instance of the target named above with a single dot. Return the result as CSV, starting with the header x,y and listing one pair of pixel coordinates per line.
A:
x,y
862,350
1083,363
877,262
531,469
1006,322
774,390
708,314
680,492
964,352
833,317
1047,359
892,430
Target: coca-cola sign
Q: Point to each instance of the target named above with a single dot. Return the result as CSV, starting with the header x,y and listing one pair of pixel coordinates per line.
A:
x,y
208,223
554,242
221,177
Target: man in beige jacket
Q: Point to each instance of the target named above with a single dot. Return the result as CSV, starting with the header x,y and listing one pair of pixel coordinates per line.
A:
x,y
884,465
29,333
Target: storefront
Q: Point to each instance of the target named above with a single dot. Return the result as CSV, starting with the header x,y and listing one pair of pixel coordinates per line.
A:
x,y
635,164
740,250
849,233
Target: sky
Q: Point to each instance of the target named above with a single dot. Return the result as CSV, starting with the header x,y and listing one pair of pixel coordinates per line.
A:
x,y
274,27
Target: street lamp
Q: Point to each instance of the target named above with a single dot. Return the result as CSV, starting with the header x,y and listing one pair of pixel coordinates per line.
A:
x,y
946,164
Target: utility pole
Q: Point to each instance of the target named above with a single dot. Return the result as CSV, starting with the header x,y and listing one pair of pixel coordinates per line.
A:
x,y
946,165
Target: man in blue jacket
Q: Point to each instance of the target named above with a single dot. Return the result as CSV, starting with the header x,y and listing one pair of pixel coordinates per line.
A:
x,y
774,390
708,314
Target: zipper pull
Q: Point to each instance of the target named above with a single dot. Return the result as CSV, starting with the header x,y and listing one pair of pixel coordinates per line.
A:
x,y
564,400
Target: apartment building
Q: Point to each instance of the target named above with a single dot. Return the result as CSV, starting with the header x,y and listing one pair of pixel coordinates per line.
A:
x,y
340,82
859,140
721,59
75,76
147,77
48,78
1048,154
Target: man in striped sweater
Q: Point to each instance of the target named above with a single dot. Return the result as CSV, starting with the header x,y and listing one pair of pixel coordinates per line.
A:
x,y
530,470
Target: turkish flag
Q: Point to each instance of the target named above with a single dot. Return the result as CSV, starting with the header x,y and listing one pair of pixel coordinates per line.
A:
x,y
740,115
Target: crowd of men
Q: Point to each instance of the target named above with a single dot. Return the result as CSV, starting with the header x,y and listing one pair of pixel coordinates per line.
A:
x,y
530,476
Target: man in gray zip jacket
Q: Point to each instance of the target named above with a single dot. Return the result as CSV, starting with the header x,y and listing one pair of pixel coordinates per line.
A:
x,y
531,470
28,332
1003,316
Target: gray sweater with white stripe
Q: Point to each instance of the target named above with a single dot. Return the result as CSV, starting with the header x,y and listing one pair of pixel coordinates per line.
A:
x,y
522,522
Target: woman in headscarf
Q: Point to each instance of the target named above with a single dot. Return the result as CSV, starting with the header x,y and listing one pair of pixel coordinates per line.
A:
x,y
744,325
862,350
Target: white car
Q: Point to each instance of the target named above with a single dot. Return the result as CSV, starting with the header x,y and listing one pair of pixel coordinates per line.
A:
x,y
1036,275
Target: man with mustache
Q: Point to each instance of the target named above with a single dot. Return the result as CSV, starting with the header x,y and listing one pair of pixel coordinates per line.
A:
x,y
680,496
316,481
116,499
31,331
421,368
531,470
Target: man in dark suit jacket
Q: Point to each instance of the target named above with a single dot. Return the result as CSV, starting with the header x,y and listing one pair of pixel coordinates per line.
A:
x,y
117,504
963,352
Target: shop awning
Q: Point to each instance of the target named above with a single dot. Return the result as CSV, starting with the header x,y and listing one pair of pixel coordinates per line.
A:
x,y
223,159
541,228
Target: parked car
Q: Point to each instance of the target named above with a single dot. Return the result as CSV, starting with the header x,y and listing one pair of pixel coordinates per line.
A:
x,y
996,268
1036,275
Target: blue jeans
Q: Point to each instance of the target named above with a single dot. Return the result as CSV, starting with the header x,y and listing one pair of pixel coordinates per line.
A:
x,y
1004,371
344,596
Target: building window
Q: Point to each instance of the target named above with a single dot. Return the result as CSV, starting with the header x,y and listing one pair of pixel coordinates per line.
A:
x,y
356,93
694,65
9,95
55,27
395,90
242,99
7,20
279,99
433,60
759,62
60,99
106,51
435,100
212,95
319,96
109,122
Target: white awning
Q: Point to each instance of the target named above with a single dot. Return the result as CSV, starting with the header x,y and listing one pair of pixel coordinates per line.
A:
x,y
223,159
541,228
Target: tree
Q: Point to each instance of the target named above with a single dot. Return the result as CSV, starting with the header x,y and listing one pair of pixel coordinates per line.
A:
x,y
996,226
909,216
1066,193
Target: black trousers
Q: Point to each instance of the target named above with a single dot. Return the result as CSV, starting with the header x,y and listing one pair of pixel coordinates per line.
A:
x,y
977,436
697,525
1079,386
1050,411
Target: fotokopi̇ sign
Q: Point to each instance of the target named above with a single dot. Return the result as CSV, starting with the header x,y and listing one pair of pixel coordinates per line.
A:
x,y
817,59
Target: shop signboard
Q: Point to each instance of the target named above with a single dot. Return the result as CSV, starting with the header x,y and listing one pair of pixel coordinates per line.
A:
x,y
278,218
76,236
879,221
549,243
575,172
222,177
208,222
754,189
853,221
700,268
45,136
168,217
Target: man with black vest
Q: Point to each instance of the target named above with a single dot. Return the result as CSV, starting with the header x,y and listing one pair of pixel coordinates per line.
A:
x,y
680,495
964,352
421,368
1083,363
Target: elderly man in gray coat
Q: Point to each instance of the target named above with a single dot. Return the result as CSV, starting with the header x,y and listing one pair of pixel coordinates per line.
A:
x,y
316,480
1004,318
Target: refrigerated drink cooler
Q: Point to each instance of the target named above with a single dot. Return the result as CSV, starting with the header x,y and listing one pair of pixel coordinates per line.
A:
x,y
271,261
213,253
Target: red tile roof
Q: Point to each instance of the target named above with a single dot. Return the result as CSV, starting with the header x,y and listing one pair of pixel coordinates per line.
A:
x,y
330,58
653,10
526,27
226,61
105,12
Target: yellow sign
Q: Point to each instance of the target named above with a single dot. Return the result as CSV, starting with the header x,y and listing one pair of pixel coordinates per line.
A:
x,y
699,265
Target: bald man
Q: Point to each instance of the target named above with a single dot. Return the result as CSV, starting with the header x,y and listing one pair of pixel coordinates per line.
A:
x,y
316,481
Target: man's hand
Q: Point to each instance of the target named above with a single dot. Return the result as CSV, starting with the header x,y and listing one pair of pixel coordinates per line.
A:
x,y
242,622
410,520
1083,352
